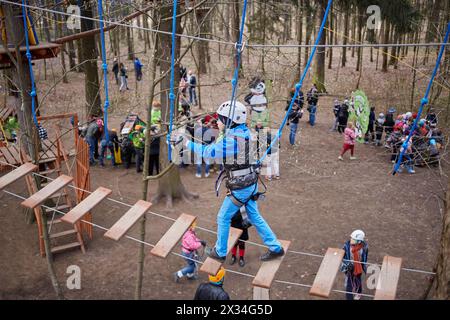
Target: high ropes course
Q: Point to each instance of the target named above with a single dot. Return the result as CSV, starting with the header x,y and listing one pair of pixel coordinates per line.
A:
x,y
324,281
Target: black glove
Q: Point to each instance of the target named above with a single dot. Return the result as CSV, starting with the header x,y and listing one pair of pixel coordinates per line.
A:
x,y
203,242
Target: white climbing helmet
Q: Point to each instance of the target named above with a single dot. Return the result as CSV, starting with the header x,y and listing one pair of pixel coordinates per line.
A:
x,y
408,115
358,235
259,89
238,116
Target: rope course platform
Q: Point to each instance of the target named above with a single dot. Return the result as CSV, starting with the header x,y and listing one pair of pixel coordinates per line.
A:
x,y
40,51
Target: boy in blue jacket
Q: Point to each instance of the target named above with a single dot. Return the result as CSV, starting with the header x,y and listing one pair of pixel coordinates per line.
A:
x,y
241,174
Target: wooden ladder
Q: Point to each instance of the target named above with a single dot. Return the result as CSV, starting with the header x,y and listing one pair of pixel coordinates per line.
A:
x,y
58,233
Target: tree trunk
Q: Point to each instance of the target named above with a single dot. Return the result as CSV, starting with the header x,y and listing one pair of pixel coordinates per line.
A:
x,y
59,30
360,37
309,26
300,10
387,30
432,27
29,136
441,281
344,40
202,46
72,54
130,44
330,39
354,12
89,55
169,185
235,33
263,38
319,72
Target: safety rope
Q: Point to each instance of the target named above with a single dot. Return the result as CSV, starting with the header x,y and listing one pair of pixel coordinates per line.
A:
x,y
299,85
234,82
105,69
180,255
30,64
172,77
423,102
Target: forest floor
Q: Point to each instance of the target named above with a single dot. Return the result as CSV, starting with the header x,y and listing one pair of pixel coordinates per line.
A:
x,y
316,204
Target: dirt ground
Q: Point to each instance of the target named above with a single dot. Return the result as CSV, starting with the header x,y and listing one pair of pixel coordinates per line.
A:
x,y
317,203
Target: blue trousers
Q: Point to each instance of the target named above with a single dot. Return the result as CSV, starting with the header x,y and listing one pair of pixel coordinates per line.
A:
x,y
93,145
199,168
293,132
189,269
312,115
229,209
192,95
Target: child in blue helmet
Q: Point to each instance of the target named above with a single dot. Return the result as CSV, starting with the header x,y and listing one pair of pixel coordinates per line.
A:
x,y
232,147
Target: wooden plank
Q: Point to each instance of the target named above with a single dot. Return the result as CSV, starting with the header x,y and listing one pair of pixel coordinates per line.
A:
x,y
388,278
173,235
9,158
14,152
128,220
324,281
16,174
74,215
212,266
43,194
260,293
268,269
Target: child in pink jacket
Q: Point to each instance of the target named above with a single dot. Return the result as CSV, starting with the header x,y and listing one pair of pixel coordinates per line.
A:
x,y
349,141
189,245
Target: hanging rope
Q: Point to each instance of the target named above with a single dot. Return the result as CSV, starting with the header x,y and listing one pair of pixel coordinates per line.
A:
x,y
234,82
423,102
105,68
172,76
30,64
299,85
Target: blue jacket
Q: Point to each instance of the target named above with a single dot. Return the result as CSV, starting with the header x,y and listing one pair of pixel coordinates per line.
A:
x,y
138,65
230,146
348,265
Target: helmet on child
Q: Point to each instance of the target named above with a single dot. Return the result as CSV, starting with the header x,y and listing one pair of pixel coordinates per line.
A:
x,y
408,115
238,115
218,278
381,115
358,235
433,142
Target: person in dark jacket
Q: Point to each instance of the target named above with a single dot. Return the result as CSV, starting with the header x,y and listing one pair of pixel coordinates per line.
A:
x,y
183,72
123,77
432,118
313,99
295,115
127,151
336,108
213,290
354,264
343,116
115,70
389,124
192,84
93,134
138,69
111,144
379,128
240,221
370,135
154,151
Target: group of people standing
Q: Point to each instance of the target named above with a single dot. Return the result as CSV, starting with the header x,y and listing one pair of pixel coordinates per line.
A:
x,y
120,71
392,132
296,112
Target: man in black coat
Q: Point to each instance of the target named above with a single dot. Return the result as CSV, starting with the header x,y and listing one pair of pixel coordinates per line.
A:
x,y
213,290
